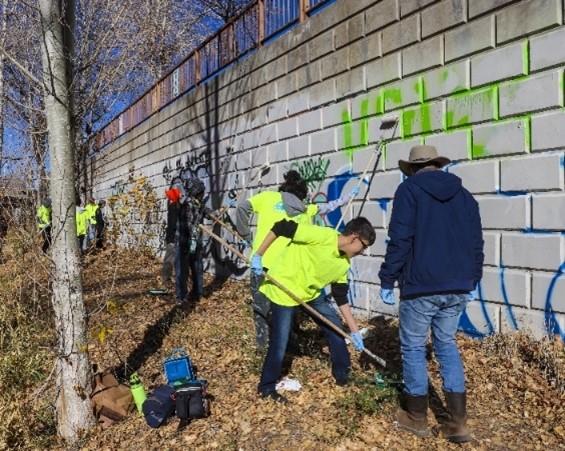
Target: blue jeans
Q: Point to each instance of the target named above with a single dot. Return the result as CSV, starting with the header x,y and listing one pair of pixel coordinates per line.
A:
x,y
281,325
184,260
441,313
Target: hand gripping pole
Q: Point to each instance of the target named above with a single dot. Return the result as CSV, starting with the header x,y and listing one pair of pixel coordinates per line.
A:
x,y
295,298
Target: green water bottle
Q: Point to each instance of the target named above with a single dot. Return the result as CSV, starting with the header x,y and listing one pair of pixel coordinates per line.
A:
x,y
137,391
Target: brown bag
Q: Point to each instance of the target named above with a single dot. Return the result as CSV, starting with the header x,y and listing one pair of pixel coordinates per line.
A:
x,y
111,400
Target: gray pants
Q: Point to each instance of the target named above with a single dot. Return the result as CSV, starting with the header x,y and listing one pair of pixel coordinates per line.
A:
x,y
168,263
261,310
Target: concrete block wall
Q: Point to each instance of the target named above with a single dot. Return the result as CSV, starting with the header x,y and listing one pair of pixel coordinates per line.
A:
x,y
482,80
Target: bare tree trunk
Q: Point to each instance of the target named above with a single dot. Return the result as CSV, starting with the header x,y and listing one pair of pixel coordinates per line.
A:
x,y
73,376
3,19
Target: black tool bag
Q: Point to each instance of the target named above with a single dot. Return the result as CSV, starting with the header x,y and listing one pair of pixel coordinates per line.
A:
x,y
191,402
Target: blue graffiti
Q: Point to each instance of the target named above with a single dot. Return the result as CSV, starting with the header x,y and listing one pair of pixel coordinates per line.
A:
x,y
335,188
551,324
383,203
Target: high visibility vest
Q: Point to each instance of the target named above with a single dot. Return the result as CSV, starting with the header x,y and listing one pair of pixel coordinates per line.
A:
x,y
81,220
43,217
90,210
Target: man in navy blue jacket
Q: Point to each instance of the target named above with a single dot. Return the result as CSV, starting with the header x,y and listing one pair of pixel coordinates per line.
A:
x,y
435,253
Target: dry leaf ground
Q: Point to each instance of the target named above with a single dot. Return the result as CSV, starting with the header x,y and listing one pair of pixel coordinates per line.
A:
x,y
514,400
516,385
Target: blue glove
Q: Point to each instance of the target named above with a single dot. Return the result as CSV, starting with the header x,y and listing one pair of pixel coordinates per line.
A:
x,y
229,202
354,191
257,265
388,296
357,340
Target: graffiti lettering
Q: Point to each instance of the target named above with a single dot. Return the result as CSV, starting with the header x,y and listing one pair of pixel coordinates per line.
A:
x,y
312,171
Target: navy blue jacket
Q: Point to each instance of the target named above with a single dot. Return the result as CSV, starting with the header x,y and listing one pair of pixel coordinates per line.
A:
x,y
436,240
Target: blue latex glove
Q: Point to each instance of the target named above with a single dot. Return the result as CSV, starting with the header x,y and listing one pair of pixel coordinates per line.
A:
x,y
357,340
229,202
354,191
257,265
388,296
475,293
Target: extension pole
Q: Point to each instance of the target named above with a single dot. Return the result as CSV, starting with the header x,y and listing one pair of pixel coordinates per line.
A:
x,y
378,152
295,298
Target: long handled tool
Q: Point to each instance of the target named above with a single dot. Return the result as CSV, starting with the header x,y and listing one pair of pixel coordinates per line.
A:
x,y
296,299
385,125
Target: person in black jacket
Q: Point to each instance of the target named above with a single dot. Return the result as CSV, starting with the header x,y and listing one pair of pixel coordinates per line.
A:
x,y
435,253
173,196
100,224
183,222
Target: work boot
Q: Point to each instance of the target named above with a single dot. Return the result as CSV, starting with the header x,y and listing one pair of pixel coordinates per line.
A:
x,y
412,415
455,428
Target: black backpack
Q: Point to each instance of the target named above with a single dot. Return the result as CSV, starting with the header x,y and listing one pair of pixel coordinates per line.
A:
x,y
159,405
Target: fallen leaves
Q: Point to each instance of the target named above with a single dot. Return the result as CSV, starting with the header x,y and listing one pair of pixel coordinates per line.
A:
x,y
514,402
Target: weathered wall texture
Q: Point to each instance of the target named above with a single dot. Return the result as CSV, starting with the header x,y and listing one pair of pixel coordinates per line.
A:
x,y
480,79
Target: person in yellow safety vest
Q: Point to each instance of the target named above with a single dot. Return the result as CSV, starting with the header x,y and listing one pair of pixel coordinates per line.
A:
x,y
44,223
90,211
81,224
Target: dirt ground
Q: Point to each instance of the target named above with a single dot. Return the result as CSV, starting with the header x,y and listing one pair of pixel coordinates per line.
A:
x,y
516,386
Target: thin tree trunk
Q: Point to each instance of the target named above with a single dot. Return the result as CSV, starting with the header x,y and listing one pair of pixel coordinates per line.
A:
x,y
3,19
73,376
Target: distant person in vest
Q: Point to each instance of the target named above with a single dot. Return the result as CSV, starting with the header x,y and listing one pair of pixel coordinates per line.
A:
x,y
81,218
44,223
100,218
270,207
435,253
90,211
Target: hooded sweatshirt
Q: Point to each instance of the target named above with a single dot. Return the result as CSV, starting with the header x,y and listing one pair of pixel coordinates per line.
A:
x,y
436,242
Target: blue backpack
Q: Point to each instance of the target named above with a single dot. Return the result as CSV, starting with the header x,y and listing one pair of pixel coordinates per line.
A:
x,y
159,405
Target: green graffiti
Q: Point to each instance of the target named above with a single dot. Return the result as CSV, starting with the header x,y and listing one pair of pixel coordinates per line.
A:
x,y
444,75
479,151
379,103
526,57
391,96
528,134
417,120
408,118
423,92
312,171
364,107
364,125
461,106
495,107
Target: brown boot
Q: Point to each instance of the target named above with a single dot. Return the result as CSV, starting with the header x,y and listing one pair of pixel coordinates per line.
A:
x,y
455,428
412,416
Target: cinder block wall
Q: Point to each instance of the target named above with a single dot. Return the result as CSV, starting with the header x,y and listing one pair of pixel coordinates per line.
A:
x,y
482,80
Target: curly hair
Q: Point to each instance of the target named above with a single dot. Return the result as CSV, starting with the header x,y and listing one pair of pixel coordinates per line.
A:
x,y
294,184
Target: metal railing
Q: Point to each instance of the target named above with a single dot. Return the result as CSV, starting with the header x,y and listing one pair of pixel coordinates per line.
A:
x,y
259,21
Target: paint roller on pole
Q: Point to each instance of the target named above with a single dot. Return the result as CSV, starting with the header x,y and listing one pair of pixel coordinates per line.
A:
x,y
295,298
386,124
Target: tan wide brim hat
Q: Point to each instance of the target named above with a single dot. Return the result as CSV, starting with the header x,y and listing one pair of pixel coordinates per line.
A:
x,y
422,156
